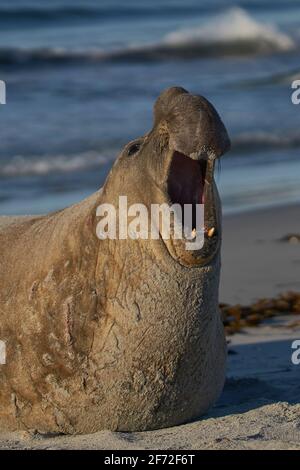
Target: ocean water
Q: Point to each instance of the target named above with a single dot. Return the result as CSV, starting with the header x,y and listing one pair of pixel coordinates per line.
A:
x,y
82,76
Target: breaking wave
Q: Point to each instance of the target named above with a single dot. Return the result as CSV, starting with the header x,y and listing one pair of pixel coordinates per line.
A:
x,y
234,32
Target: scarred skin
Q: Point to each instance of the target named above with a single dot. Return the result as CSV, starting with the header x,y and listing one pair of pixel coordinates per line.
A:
x,y
115,334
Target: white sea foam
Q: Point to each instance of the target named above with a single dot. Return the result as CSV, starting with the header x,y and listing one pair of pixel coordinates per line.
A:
x,y
233,26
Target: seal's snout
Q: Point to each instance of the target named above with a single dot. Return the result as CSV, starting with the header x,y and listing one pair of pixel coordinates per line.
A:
x,y
193,125
196,137
193,136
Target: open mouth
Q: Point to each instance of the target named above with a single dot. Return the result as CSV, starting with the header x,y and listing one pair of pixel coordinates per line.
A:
x,y
186,183
191,191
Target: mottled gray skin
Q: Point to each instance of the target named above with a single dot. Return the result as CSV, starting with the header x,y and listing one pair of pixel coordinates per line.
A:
x,y
115,334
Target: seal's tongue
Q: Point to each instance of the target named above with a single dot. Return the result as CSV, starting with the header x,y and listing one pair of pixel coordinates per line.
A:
x,y
186,180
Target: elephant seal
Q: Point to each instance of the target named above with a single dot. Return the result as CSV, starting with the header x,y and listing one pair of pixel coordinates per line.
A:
x,y
118,334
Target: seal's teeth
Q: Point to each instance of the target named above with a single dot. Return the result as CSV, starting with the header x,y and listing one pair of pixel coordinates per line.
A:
x,y
194,233
211,232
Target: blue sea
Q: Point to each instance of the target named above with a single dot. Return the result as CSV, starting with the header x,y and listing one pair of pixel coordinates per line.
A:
x,y
82,77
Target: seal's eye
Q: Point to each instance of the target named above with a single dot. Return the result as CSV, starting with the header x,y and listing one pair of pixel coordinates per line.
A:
x,y
134,148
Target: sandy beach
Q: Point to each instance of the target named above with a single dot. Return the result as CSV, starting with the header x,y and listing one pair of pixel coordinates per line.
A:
x,y
259,407
124,338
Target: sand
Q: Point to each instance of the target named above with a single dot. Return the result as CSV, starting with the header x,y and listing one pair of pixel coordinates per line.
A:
x,y
260,404
255,263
